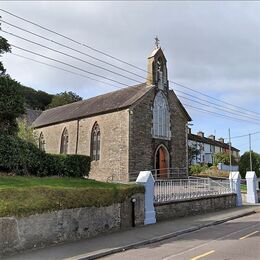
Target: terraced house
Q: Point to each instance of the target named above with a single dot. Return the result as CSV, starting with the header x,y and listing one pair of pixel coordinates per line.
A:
x,y
143,127
208,147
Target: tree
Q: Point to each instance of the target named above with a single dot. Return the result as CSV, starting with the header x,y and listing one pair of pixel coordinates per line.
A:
x,y
26,132
244,163
11,105
224,158
193,152
64,98
4,47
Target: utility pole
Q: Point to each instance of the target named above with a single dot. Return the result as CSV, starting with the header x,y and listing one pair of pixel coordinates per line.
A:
x,y
250,153
230,163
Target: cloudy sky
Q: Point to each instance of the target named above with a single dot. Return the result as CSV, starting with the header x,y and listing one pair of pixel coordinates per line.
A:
x,y
211,47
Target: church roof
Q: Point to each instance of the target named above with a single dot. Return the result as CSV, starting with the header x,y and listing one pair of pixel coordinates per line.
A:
x,y
109,102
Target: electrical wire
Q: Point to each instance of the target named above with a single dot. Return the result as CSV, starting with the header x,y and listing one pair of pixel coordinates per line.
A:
x,y
120,60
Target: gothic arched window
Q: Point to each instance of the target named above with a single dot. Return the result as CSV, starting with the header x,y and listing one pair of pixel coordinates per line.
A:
x,y
64,141
161,117
95,142
41,142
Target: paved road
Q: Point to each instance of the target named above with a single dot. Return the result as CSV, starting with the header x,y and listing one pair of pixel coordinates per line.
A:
x,y
237,239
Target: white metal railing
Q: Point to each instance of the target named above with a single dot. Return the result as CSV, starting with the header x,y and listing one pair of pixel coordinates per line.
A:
x,y
165,173
181,189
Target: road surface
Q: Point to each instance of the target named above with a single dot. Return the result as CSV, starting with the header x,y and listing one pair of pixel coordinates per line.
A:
x,y
237,239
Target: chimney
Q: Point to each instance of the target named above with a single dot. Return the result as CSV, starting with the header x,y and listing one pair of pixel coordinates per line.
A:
x,y
212,137
200,133
221,140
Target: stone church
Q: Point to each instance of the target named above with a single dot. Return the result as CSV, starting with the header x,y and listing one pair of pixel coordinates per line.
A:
x,y
143,127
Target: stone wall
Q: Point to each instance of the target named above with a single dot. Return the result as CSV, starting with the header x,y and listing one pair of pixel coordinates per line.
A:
x,y
143,145
171,210
36,231
114,143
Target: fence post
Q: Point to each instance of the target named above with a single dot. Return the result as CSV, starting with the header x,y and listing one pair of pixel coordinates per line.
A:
x,y
234,180
146,179
251,196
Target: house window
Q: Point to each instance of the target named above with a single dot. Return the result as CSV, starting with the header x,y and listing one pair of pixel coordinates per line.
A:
x,y
64,141
95,142
41,142
161,117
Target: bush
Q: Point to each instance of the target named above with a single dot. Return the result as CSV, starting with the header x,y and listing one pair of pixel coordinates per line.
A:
x,y
70,165
197,168
24,158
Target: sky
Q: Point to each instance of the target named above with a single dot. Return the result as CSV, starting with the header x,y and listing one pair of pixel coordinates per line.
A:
x,y
211,47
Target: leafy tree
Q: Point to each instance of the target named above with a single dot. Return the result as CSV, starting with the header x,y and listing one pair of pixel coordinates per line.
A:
x,y
223,158
193,152
244,163
26,132
11,105
4,47
64,98
36,99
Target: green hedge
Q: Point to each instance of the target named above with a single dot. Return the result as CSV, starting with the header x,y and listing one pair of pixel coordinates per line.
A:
x,y
24,158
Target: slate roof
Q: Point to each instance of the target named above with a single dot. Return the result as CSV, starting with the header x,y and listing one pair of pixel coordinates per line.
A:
x,y
112,101
109,102
206,140
30,116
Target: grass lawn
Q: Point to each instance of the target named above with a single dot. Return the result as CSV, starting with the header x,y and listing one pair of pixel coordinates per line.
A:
x,y
243,187
21,196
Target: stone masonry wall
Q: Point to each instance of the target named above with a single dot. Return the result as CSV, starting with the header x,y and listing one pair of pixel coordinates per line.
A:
x,y
17,234
143,145
114,142
171,210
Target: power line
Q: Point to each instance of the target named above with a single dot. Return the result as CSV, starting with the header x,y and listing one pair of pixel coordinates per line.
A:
x,y
245,135
210,102
56,67
221,109
72,40
64,63
127,63
114,72
71,56
218,114
201,93
73,49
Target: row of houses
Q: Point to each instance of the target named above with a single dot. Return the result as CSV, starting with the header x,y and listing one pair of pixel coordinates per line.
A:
x,y
208,146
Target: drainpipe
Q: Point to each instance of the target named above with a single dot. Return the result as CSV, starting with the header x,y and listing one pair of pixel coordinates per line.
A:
x,y
77,137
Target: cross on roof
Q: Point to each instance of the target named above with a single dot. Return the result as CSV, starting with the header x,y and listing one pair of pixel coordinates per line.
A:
x,y
157,42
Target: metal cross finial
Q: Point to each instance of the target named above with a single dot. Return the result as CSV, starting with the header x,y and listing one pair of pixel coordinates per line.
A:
x,y
157,42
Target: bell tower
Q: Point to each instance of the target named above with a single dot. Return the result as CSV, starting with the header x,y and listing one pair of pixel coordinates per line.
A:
x,y
157,69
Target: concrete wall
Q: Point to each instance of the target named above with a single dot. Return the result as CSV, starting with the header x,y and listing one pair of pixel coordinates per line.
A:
x,y
35,231
171,210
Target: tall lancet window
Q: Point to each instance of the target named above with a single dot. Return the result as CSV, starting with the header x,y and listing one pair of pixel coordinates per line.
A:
x,y
95,142
161,117
41,142
64,141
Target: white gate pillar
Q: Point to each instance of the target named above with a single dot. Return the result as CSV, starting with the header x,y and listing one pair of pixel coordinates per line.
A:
x,y
146,179
251,196
234,180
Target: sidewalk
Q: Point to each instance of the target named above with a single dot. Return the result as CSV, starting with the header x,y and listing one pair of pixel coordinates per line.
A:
x,y
116,242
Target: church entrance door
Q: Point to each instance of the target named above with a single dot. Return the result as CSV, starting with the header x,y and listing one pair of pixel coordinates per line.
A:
x,y
162,161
